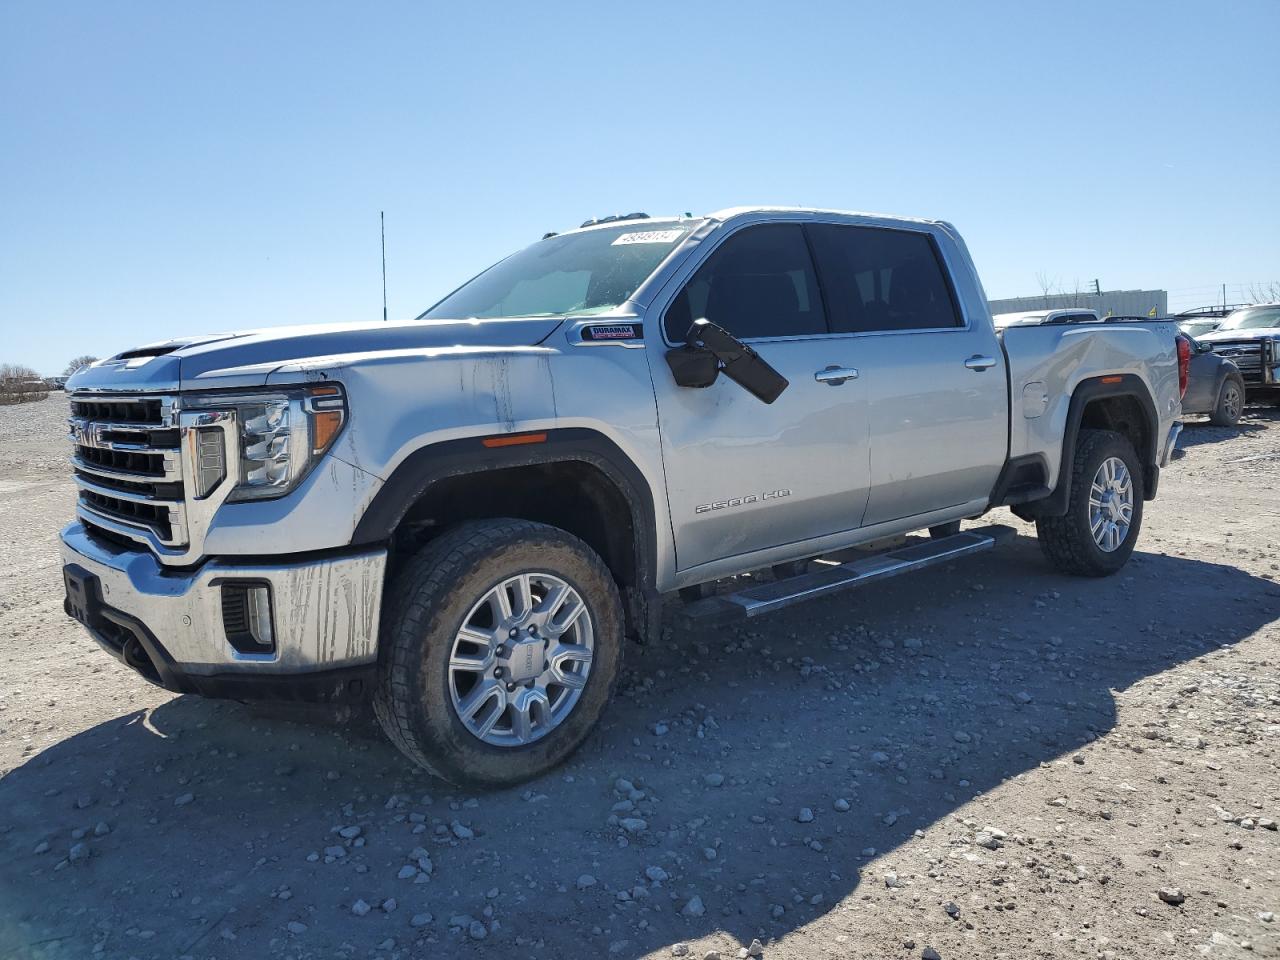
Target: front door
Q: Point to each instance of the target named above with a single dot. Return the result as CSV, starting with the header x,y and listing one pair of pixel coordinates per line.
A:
x,y
743,475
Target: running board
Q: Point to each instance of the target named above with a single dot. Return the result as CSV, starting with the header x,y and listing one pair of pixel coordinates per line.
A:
x,y
768,597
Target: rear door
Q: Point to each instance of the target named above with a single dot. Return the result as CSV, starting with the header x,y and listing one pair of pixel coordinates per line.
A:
x,y
742,475
935,380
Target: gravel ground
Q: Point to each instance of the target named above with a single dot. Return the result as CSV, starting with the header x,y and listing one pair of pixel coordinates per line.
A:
x,y
987,760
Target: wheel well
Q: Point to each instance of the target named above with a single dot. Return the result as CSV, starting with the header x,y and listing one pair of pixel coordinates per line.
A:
x,y
1100,405
574,495
1125,415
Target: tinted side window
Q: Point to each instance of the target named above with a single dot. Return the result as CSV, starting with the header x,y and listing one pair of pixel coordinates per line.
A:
x,y
758,283
877,279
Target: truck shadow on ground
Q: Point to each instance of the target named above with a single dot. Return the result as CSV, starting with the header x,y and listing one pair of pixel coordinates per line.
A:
x,y
905,700
1199,431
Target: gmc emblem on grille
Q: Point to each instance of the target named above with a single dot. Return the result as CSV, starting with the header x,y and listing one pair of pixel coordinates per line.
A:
x,y
87,434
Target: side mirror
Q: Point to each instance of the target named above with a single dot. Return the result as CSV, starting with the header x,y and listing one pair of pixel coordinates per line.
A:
x,y
709,349
692,366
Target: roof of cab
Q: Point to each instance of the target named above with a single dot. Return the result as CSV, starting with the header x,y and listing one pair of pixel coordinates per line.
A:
x,y
728,213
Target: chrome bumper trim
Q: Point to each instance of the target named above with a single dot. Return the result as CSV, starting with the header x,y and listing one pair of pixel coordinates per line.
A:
x,y
325,611
1171,443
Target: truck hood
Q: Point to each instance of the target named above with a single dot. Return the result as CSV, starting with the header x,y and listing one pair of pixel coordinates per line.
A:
x,y
1248,333
248,357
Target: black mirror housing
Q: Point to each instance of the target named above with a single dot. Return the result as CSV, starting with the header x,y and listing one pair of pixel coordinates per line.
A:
x,y
740,363
693,367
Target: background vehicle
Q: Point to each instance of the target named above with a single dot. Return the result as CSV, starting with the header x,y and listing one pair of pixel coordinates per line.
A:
x,y
1250,337
1215,386
1201,320
1046,317
467,513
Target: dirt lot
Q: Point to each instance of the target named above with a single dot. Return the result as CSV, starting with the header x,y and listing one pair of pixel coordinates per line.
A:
x,y
988,760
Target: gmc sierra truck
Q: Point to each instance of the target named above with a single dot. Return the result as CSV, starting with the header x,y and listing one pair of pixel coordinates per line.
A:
x,y
463,516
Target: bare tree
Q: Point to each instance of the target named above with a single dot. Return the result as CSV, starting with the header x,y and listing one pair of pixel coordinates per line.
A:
x,y
1046,285
1265,292
77,363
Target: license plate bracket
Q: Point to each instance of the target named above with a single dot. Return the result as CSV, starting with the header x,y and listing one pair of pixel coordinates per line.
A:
x,y
84,595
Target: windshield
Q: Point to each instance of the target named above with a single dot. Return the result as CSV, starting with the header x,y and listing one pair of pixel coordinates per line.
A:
x,y
581,273
1252,318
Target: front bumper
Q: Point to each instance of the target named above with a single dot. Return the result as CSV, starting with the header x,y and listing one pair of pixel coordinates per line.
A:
x,y
168,624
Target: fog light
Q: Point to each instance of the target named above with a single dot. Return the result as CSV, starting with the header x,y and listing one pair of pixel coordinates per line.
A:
x,y
246,617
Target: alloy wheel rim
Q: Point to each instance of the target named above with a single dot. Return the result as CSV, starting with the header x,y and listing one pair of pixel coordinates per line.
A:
x,y
1111,504
520,659
1232,402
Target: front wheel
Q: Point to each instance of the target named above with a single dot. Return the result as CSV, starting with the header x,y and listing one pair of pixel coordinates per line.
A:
x,y
1096,535
1226,412
500,646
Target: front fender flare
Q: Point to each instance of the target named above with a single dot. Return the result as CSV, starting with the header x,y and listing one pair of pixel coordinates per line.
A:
x,y
416,474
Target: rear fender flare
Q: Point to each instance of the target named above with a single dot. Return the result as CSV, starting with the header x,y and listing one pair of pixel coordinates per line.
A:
x,y
1087,391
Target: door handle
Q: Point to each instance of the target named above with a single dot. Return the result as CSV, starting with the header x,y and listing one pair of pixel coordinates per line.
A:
x,y
979,362
834,376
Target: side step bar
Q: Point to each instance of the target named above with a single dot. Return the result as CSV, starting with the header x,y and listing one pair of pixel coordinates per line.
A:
x,y
768,597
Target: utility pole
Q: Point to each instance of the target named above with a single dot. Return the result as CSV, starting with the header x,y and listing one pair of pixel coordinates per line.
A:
x,y
382,219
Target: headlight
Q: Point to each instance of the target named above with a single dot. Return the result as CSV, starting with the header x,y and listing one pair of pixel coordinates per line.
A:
x,y
282,434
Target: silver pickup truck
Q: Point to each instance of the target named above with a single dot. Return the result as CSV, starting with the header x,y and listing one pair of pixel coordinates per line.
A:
x,y
462,516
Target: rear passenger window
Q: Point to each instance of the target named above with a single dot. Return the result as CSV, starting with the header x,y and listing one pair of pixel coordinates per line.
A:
x,y
877,279
759,283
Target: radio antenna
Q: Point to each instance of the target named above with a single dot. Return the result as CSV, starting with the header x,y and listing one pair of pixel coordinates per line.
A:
x,y
382,219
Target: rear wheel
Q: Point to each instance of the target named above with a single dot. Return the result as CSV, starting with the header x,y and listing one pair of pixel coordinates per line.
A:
x,y
1226,412
1096,535
500,646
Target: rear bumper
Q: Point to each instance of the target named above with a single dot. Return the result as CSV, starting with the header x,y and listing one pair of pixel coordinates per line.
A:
x,y
168,624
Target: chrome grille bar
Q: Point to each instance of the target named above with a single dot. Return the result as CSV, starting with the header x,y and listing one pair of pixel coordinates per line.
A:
x,y
128,466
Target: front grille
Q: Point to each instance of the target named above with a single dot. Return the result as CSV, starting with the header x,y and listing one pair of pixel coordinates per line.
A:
x,y
1245,354
128,468
132,410
123,461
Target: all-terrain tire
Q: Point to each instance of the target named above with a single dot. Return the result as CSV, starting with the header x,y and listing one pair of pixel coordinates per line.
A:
x,y
423,609
1067,541
1226,412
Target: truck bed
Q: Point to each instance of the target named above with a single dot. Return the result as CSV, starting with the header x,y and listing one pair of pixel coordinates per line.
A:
x,y
1046,363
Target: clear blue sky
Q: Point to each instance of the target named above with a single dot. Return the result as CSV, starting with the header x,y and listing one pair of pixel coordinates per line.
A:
x,y
178,168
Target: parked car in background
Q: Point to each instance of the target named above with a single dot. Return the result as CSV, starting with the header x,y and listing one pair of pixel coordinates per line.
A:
x,y
1198,321
1198,328
1215,386
1250,337
1042,318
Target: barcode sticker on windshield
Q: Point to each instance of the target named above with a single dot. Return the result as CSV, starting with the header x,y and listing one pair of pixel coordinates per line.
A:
x,y
650,236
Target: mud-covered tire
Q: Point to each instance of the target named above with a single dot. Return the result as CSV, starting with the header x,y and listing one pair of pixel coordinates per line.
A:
x,y
423,610
1068,541
1230,404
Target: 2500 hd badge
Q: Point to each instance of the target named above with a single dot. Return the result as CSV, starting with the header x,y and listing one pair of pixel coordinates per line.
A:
x,y
741,501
